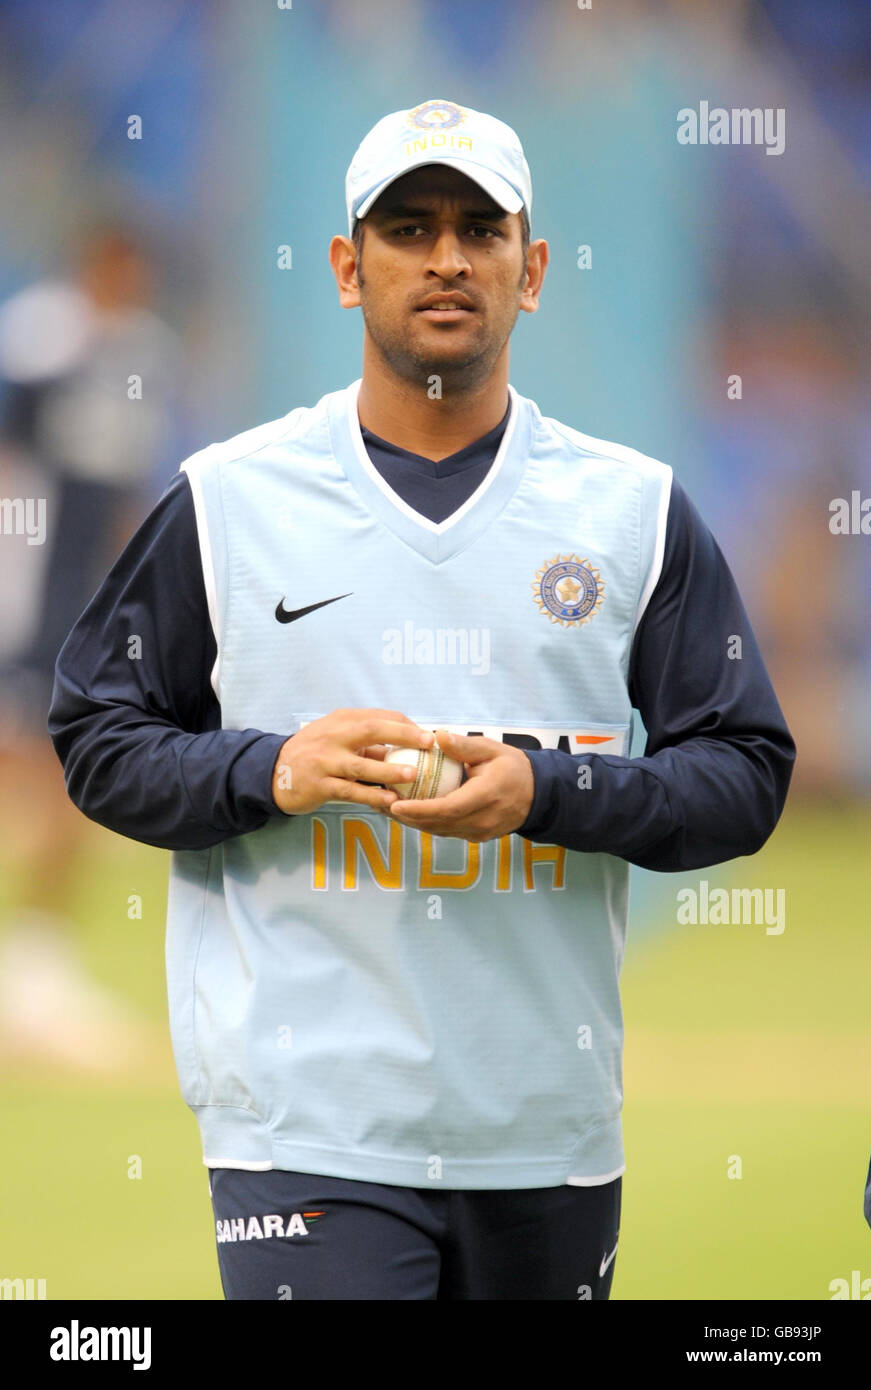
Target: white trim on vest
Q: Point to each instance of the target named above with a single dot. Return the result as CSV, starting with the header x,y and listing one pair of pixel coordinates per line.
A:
x,y
658,549
438,527
196,485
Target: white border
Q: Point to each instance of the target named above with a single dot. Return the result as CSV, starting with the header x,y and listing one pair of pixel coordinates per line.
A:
x,y
437,527
237,1163
207,564
250,1167
658,550
596,1182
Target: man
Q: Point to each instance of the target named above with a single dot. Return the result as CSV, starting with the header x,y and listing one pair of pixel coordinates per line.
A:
x,y
73,350
398,1022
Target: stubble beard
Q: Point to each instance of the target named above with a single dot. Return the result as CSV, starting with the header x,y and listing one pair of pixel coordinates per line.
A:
x,y
417,366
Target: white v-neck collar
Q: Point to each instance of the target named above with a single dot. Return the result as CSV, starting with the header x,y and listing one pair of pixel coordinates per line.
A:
x,y
437,527
436,541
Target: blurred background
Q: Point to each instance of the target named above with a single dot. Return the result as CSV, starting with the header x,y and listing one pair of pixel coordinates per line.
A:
x,y
153,161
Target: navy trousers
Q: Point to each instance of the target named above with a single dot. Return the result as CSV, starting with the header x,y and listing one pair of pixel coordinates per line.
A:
x,y
289,1235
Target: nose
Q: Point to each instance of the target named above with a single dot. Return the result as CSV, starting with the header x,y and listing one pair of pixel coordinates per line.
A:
x,y
447,259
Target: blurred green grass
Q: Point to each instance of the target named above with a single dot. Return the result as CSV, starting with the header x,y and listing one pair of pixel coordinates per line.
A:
x,y
737,1043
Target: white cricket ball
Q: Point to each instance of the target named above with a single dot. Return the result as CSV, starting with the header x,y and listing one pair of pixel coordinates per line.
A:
x,y
437,774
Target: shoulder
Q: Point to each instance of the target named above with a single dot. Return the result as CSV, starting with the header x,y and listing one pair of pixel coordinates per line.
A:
x,y
298,427
615,473
606,451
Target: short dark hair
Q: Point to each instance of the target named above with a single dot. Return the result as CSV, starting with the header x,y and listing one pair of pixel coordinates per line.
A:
x,y
357,234
524,229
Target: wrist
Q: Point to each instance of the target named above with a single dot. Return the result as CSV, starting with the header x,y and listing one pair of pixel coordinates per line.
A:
x,y
282,780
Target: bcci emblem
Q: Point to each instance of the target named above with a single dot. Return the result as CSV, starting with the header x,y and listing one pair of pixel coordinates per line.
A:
x,y
568,590
436,115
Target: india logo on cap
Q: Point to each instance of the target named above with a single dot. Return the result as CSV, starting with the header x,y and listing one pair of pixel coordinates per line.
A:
x,y
436,115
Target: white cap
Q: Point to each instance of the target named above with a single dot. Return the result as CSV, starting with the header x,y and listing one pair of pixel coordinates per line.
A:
x,y
437,132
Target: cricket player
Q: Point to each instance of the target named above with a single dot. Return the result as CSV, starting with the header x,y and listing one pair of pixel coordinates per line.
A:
x,y
398,1022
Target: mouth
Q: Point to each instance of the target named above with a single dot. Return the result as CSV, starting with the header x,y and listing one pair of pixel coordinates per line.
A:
x,y
446,314
446,309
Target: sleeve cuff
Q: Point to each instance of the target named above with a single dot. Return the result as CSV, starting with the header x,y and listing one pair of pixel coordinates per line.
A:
x,y
541,811
252,776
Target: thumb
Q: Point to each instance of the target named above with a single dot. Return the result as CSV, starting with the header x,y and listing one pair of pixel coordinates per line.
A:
x,y
465,748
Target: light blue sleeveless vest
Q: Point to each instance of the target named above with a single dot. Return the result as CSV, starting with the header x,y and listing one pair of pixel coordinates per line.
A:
x,y
353,998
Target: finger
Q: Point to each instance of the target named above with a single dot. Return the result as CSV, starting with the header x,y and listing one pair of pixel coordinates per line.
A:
x,y
361,793
378,751
391,731
390,714
468,749
466,829
457,806
373,770
374,712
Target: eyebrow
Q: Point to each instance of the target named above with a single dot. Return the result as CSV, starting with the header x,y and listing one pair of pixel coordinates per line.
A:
x,y
494,214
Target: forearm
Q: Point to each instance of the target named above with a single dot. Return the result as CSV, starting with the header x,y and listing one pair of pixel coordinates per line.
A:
x,y
719,757
140,740
687,807
145,779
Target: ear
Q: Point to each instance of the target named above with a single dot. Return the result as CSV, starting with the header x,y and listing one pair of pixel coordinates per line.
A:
x,y
537,257
343,259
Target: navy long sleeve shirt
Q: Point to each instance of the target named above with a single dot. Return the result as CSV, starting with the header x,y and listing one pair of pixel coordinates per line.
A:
x,y
137,726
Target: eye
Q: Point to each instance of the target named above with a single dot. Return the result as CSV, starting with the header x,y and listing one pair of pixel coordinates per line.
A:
x,y
409,227
481,227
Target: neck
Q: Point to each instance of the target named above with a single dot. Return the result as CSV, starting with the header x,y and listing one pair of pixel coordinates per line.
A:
x,y
405,415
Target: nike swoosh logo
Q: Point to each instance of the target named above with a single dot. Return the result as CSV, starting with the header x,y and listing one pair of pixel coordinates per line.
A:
x,y
284,616
605,1262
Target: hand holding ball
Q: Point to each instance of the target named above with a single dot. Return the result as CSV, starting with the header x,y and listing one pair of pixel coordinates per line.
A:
x,y
437,774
